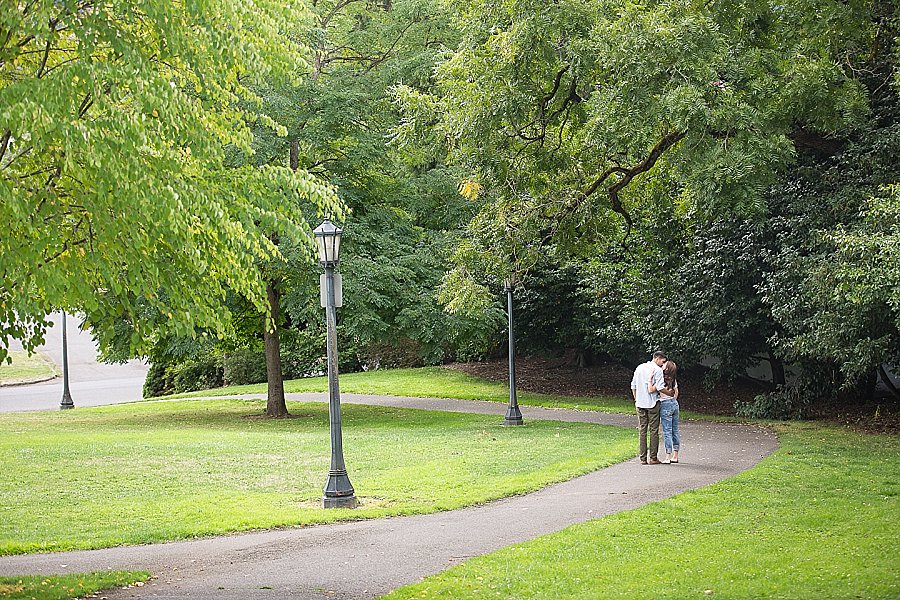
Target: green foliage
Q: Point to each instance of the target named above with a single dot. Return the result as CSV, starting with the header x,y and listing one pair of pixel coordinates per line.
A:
x,y
855,292
713,307
546,309
559,107
186,375
391,274
832,283
243,366
157,382
200,374
783,403
114,120
402,215
577,120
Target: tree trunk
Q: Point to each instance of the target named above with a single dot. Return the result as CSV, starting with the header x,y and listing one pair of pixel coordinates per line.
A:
x,y
275,404
778,377
295,155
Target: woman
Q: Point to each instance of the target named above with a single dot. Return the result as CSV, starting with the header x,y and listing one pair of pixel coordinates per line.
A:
x,y
669,412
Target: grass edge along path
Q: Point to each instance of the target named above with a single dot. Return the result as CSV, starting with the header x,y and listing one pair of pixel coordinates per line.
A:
x,y
153,472
816,519
27,369
63,587
436,382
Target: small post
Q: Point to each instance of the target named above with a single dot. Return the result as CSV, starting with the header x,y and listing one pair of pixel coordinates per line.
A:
x,y
66,401
513,414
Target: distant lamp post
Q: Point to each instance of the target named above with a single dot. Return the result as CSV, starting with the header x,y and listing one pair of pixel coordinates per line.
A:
x,y
66,401
513,414
338,491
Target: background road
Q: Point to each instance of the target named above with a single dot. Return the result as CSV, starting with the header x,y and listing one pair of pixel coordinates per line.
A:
x,y
91,383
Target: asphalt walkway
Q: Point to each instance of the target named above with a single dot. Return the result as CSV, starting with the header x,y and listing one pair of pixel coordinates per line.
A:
x,y
91,383
366,559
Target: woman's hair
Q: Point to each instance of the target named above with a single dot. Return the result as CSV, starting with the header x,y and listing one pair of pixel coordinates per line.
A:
x,y
669,371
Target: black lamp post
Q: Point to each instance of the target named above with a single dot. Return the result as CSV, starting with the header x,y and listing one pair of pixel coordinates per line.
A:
x,y
338,491
66,401
513,414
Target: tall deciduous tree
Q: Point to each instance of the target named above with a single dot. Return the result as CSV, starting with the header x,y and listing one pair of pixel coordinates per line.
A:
x,y
114,123
576,112
338,122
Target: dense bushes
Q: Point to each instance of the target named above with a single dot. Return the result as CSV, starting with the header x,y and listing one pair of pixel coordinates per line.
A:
x,y
244,366
785,402
190,375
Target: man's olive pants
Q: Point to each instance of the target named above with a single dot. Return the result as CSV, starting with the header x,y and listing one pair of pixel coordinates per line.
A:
x,y
649,418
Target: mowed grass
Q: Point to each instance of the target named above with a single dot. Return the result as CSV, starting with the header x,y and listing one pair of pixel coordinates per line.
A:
x,y
63,587
435,382
26,368
155,471
817,519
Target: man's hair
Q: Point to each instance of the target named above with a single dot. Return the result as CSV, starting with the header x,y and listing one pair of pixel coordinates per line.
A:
x,y
659,354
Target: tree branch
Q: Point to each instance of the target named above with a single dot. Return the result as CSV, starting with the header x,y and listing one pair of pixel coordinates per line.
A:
x,y
43,64
628,174
62,251
86,103
4,143
548,97
334,11
22,152
387,53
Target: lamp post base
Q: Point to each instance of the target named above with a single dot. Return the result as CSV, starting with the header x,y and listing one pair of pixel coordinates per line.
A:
x,y
345,502
338,491
66,402
513,416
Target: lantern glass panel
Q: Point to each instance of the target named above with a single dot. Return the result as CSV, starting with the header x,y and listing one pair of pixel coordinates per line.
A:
x,y
328,242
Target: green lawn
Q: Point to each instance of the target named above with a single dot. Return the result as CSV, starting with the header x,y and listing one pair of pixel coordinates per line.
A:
x,y
434,382
63,587
26,368
817,519
154,471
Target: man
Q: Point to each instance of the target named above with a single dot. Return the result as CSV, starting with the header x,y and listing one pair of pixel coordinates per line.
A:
x,y
647,376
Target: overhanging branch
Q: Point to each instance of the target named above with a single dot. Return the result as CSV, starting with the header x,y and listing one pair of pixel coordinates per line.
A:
x,y
627,176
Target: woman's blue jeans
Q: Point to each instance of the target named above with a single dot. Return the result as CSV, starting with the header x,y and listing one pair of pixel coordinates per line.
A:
x,y
668,418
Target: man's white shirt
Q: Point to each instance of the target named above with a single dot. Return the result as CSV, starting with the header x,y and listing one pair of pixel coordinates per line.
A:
x,y
641,380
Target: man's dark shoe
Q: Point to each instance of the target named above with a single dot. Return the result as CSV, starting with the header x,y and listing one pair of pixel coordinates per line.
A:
x,y
653,461
643,462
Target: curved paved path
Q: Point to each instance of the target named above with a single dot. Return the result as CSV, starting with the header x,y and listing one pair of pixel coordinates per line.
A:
x,y
368,558
91,383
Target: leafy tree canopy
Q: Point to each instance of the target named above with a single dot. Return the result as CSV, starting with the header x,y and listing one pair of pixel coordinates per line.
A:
x,y
115,118
563,107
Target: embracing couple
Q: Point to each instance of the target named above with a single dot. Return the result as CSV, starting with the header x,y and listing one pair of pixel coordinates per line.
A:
x,y
655,392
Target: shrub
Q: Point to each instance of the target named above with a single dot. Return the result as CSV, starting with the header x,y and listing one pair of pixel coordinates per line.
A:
x,y
198,374
244,366
191,375
303,353
158,381
784,403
